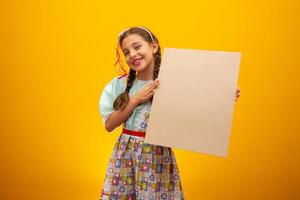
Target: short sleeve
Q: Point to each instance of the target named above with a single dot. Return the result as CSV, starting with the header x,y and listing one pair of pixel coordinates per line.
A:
x,y
108,96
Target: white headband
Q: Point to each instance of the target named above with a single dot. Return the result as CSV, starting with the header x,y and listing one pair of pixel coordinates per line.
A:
x,y
122,32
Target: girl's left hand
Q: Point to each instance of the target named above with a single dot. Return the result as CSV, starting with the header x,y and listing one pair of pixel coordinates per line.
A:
x,y
237,93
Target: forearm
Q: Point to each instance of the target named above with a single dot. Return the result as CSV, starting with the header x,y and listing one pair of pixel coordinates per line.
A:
x,y
119,116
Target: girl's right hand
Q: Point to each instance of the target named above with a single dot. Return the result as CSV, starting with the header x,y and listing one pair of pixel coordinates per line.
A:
x,y
146,92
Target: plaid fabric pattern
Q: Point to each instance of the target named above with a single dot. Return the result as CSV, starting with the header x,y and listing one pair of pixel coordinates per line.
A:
x,y
140,171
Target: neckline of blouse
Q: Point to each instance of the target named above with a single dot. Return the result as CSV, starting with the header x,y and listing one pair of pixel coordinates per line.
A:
x,y
142,81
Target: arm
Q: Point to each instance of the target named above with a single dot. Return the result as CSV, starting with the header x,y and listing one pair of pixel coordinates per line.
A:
x,y
119,116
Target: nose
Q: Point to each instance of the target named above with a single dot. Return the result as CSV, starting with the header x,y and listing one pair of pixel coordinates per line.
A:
x,y
132,53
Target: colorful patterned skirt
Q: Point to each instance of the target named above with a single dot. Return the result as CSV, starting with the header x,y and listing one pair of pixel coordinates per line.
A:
x,y
141,171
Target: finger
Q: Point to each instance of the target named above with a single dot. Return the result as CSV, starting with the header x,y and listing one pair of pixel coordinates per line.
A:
x,y
148,86
156,82
149,89
153,91
150,94
152,86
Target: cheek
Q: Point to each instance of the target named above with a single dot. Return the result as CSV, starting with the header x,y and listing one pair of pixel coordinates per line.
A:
x,y
127,60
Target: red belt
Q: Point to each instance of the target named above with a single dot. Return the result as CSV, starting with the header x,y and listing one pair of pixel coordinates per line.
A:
x,y
134,133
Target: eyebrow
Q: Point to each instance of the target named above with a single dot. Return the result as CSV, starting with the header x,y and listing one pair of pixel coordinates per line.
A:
x,y
131,45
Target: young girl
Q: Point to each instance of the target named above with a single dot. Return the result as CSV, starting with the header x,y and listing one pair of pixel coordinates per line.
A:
x,y
137,170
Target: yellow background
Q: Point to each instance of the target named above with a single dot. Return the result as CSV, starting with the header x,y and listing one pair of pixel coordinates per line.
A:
x,y
56,57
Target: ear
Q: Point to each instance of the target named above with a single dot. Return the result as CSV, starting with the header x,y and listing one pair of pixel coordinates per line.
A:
x,y
155,47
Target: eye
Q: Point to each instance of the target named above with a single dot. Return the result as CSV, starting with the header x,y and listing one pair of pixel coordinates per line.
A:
x,y
137,47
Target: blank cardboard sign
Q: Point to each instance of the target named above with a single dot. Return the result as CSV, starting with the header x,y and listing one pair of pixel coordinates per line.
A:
x,y
193,105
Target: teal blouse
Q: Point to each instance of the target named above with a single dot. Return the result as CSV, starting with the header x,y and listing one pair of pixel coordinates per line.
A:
x,y
138,120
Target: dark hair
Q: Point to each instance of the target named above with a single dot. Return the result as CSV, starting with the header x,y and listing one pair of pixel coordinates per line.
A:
x,y
123,99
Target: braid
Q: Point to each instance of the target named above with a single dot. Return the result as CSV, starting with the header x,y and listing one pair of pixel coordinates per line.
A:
x,y
156,66
123,99
157,63
130,80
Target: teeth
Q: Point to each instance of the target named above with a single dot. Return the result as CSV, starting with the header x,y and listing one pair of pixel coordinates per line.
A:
x,y
136,62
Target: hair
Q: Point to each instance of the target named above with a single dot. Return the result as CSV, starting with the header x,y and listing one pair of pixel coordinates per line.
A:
x,y
123,99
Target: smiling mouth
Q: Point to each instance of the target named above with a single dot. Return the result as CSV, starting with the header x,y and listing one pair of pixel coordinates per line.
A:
x,y
137,62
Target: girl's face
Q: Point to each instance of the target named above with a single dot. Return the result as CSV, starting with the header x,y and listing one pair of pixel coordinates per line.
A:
x,y
138,53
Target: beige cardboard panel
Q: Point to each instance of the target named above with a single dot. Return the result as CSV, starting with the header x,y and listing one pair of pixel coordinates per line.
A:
x,y
193,106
